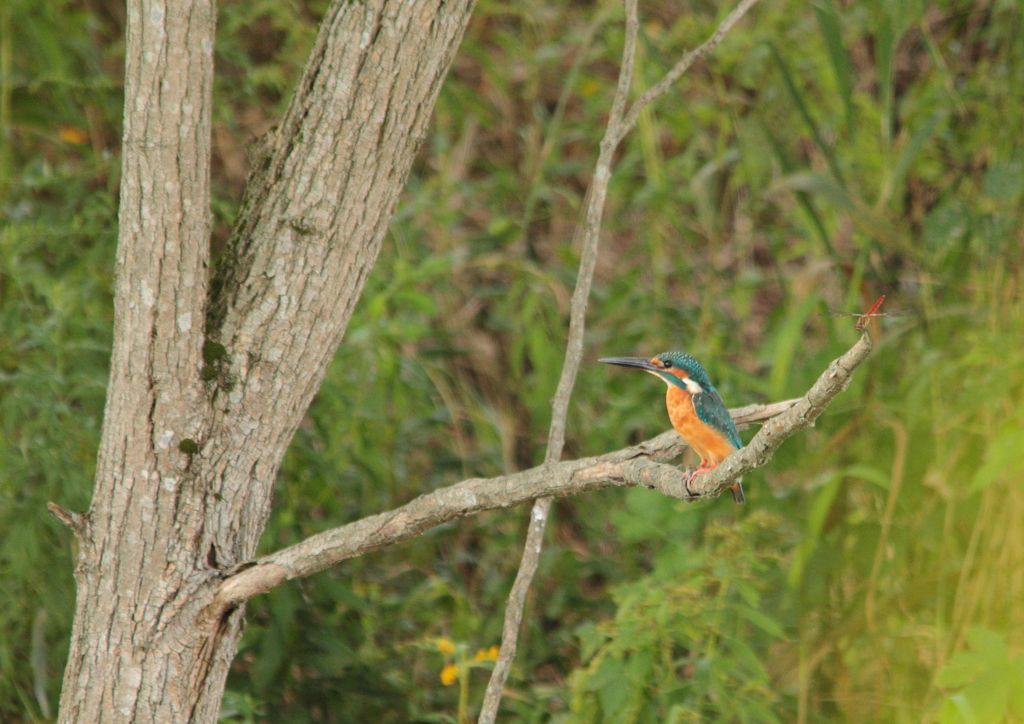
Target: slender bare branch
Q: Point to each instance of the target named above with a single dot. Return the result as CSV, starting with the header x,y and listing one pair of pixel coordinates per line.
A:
x,y
698,53
638,465
641,464
76,522
589,232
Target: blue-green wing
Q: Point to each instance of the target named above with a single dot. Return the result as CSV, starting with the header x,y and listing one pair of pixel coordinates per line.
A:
x,y
710,408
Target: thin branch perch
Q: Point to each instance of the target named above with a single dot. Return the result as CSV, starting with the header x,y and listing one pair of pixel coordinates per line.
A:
x,y
642,464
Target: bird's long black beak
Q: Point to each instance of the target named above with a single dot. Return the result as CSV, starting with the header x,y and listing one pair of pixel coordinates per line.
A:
x,y
644,364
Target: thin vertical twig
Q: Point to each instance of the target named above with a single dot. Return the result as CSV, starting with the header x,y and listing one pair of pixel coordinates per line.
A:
x,y
684,64
588,232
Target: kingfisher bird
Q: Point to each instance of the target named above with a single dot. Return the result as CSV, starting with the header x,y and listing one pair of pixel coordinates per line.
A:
x,y
695,408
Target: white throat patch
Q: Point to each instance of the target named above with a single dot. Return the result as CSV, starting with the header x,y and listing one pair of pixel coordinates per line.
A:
x,y
692,387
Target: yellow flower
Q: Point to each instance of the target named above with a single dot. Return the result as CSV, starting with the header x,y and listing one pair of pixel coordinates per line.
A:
x,y
445,645
449,674
72,134
484,654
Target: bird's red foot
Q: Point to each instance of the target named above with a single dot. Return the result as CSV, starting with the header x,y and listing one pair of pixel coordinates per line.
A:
x,y
706,467
689,475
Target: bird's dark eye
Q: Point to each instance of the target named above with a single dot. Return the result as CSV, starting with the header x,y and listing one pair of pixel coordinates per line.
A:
x,y
667,364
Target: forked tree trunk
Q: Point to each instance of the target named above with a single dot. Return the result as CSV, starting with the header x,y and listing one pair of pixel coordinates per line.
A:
x,y
208,385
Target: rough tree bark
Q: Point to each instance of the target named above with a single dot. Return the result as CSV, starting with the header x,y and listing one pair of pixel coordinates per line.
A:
x,y
208,386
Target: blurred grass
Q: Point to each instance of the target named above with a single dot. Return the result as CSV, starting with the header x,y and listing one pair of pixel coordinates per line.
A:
x,y
827,154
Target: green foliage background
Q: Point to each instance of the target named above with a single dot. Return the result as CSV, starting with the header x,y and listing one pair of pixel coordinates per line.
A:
x,y
828,153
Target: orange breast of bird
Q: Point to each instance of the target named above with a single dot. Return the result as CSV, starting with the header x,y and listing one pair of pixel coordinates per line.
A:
x,y
709,443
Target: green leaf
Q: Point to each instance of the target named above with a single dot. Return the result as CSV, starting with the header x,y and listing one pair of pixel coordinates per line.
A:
x,y
946,224
1004,181
1002,457
828,24
911,151
803,198
989,695
614,688
763,622
745,656
988,644
961,669
988,674
885,50
1016,669
805,113
819,184
869,473
957,710
789,338
812,531
609,670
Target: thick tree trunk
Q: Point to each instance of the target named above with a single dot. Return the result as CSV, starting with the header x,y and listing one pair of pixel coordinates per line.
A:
x,y
207,389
